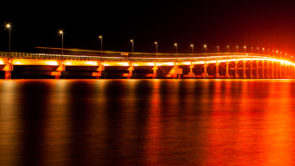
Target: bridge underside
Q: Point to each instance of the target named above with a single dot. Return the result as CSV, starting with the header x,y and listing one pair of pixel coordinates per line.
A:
x,y
247,68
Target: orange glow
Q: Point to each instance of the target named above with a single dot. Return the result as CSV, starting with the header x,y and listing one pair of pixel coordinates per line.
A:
x,y
161,61
80,63
34,62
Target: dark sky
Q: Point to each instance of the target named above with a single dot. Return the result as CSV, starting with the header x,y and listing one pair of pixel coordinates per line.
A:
x,y
263,23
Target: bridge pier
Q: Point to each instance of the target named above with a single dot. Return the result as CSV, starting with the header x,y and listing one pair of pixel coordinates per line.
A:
x,y
8,68
262,70
244,69
287,70
155,69
174,72
251,69
227,70
205,74
268,69
273,69
217,70
236,69
99,70
191,72
130,69
61,67
257,69
280,69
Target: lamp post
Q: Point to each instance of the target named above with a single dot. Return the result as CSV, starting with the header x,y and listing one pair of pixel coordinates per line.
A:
x,y
205,47
101,40
8,27
237,47
175,45
263,49
132,46
192,47
245,49
156,47
61,33
205,50
228,48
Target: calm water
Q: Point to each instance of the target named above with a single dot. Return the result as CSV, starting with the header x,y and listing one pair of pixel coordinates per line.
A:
x,y
147,122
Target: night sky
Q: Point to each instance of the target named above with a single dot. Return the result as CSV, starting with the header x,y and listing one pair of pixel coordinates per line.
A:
x,y
269,24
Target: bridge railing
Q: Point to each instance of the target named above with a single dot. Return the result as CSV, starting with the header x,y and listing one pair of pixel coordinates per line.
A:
x,y
136,58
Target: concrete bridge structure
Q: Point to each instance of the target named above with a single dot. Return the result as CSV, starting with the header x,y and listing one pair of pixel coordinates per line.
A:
x,y
109,64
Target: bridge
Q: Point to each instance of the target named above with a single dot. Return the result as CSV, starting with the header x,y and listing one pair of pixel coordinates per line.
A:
x,y
111,64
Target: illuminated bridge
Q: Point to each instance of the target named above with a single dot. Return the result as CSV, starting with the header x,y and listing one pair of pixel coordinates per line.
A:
x,y
108,64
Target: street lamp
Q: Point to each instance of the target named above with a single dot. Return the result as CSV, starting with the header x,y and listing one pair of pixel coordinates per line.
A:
x,y
218,49
132,45
175,45
8,27
156,47
245,48
205,47
101,40
237,47
263,49
192,46
228,48
61,33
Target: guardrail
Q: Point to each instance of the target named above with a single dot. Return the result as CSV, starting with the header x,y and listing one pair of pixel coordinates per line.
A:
x,y
144,57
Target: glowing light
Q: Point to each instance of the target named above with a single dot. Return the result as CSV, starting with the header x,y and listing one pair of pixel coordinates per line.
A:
x,y
61,32
175,44
68,63
8,26
51,63
92,63
1,62
205,46
192,45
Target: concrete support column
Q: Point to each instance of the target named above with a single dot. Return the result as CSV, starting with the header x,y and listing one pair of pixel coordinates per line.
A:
x,y
8,68
99,70
205,74
272,69
286,71
236,69
257,69
244,69
227,70
217,70
251,70
262,70
268,70
280,70
130,69
61,67
155,69
191,72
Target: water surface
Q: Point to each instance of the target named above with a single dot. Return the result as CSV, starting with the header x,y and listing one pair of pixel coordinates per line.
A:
x,y
147,122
